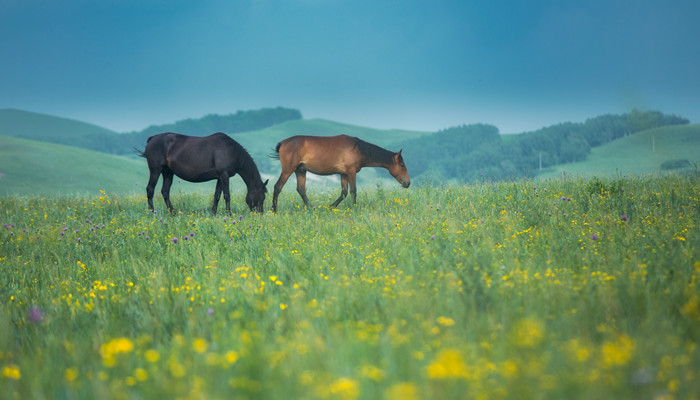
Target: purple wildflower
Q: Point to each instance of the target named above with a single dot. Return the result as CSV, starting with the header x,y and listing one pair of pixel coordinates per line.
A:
x,y
174,240
594,237
623,218
210,311
35,314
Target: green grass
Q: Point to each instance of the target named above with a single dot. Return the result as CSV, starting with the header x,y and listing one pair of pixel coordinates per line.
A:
x,y
642,153
497,290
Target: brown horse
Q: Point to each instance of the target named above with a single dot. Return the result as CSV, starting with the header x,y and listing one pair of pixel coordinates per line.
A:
x,y
201,159
344,155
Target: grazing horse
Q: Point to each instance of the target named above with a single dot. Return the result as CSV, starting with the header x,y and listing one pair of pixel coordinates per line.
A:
x,y
342,154
201,159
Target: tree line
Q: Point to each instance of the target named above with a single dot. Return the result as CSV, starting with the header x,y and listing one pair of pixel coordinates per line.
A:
x,y
241,121
473,152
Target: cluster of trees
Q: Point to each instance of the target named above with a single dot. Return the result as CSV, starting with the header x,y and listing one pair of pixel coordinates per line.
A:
x,y
471,152
241,121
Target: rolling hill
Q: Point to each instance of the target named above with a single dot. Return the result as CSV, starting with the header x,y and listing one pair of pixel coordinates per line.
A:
x,y
46,128
642,153
33,167
40,167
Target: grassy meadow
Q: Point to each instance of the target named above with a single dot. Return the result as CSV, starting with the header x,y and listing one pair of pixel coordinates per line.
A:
x,y
574,288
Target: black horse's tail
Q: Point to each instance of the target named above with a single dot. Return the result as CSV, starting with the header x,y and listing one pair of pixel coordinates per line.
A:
x,y
142,153
276,154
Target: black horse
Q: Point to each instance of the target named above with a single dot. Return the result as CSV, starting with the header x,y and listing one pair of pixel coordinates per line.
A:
x,y
201,159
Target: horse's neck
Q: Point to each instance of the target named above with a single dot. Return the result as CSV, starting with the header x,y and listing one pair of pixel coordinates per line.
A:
x,y
250,175
376,161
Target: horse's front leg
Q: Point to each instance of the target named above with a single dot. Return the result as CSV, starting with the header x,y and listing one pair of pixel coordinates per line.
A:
x,y
353,187
343,191
222,186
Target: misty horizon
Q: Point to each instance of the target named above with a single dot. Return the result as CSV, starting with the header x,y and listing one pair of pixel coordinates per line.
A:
x,y
420,65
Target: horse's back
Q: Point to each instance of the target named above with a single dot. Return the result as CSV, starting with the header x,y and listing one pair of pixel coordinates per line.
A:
x,y
323,155
315,142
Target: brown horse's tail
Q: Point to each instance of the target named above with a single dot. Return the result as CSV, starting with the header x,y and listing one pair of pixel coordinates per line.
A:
x,y
276,154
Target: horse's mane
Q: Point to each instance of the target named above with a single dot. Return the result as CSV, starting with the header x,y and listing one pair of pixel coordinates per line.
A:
x,y
374,152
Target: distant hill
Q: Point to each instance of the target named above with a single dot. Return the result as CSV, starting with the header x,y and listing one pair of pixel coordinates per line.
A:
x,y
645,152
46,128
38,167
475,152
34,126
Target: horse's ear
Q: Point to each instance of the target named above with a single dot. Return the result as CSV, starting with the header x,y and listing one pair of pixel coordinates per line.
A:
x,y
265,184
399,153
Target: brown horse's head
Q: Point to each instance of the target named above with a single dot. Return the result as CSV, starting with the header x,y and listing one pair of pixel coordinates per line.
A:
x,y
256,197
398,170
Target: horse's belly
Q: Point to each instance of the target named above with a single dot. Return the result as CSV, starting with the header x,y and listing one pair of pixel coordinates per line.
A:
x,y
320,168
190,176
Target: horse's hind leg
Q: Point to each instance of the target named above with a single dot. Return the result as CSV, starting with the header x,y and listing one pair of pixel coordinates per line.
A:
x,y
278,187
165,190
301,184
343,191
151,187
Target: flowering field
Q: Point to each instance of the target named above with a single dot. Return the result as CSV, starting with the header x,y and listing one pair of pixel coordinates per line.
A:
x,y
574,288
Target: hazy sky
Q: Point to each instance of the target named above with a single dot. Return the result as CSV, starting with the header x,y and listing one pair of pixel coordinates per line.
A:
x,y
414,64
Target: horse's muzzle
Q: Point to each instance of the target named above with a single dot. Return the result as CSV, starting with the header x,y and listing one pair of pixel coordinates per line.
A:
x,y
406,184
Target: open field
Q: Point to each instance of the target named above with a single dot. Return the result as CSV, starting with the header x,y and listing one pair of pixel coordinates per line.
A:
x,y
569,288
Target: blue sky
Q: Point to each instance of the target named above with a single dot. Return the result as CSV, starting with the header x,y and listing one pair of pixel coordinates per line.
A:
x,y
412,64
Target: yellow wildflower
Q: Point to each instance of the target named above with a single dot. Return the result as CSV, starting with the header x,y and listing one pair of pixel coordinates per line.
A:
x,y
447,364
402,391
11,371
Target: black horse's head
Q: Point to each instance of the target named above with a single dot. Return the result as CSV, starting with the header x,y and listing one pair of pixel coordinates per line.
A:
x,y
256,197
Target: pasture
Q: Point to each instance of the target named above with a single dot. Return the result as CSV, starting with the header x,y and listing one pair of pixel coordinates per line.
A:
x,y
572,288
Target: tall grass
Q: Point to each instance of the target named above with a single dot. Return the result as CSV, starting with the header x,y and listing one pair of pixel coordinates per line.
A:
x,y
579,288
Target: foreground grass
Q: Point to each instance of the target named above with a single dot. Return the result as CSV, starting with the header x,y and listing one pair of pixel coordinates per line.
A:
x,y
576,288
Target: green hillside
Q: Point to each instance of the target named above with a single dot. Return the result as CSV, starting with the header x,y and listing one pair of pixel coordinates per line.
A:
x,y
33,167
35,126
641,153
